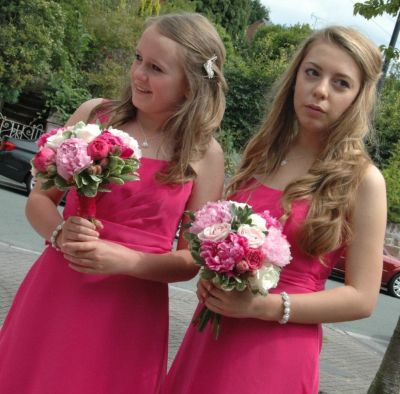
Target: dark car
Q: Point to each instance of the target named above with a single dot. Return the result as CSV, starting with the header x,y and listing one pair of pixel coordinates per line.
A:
x,y
390,273
15,160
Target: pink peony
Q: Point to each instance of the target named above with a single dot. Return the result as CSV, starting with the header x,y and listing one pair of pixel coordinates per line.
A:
x,y
271,220
223,256
72,157
276,248
43,138
43,159
212,213
98,149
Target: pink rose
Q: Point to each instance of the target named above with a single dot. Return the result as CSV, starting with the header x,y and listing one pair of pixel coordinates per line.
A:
x,y
43,138
43,159
111,139
216,232
72,157
255,259
98,149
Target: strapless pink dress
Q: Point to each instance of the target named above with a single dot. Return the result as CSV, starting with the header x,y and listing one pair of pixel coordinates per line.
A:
x,y
73,333
254,356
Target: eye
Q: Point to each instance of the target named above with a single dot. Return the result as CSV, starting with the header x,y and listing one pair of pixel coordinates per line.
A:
x,y
138,57
156,68
342,83
312,72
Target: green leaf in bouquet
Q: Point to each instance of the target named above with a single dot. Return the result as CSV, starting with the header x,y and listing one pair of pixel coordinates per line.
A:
x,y
197,258
67,134
191,216
207,274
89,191
116,180
115,162
103,190
60,183
127,177
48,184
78,181
95,178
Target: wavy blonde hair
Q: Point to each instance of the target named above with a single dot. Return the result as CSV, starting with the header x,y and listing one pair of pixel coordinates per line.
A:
x,y
193,124
331,183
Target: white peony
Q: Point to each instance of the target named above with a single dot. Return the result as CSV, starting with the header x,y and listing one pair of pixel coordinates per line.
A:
x,y
55,140
264,279
258,221
216,232
87,132
254,235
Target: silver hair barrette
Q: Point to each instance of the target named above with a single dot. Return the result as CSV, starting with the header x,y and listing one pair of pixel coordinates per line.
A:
x,y
208,66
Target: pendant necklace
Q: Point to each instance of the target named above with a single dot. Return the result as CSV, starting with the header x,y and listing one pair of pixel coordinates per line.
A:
x,y
286,160
145,144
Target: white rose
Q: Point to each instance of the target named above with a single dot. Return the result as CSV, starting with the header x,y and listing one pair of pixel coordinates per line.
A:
x,y
127,140
55,140
87,132
216,232
264,279
254,235
258,222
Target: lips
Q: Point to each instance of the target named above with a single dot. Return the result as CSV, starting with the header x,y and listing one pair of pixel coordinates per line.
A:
x,y
315,108
141,90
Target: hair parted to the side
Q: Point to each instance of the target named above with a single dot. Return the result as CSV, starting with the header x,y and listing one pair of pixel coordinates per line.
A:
x,y
192,125
332,181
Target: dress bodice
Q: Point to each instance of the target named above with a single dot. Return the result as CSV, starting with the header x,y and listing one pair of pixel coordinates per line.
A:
x,y
304,273
142,214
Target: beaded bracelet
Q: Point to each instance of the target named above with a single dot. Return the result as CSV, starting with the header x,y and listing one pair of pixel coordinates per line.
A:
x,y
54,236
286,308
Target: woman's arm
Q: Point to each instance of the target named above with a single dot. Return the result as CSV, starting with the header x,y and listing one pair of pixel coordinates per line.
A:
x,y
355,299
101,257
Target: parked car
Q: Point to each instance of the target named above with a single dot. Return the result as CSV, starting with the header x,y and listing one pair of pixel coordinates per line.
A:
x,y
15,160
390,273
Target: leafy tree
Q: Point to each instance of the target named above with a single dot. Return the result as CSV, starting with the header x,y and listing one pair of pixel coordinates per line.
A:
x,y
387,379
257,11
233,15
32,40
392,176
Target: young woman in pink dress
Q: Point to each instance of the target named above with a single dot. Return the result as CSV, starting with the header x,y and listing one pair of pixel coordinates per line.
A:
x,y
308,166
92,314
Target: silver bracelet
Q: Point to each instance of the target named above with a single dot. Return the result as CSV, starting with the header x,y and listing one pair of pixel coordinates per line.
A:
x,y
286,308
54,236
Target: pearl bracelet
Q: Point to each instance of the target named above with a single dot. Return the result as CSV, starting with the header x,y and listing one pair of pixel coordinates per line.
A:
x,y
54,236
286,308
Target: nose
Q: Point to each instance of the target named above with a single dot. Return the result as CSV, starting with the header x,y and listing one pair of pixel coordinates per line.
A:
x,y
138,71
321,88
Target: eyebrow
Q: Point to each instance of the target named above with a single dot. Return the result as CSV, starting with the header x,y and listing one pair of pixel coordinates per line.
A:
x,y
340,75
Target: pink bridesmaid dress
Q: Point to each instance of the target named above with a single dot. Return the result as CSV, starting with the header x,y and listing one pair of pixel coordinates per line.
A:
x,y
73,333
251,355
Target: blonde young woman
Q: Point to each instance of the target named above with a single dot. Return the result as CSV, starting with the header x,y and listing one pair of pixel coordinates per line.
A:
x,y
307,165
91,316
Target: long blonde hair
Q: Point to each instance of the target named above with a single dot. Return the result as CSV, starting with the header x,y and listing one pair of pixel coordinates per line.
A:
x,y
193,124
332,181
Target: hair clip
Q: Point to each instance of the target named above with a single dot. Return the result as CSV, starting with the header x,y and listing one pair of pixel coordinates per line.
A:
x,y
208,66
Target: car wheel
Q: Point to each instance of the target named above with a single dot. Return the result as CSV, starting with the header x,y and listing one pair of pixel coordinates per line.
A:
x,y
29,183
394,286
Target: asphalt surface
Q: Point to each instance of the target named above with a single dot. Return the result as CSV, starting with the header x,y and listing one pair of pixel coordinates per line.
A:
x,y
348,363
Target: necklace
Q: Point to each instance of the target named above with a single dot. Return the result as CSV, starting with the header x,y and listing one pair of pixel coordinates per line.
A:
x,y
286,160
145,144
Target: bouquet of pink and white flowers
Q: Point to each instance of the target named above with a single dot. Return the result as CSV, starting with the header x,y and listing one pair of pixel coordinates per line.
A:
x,y
87,158
237,249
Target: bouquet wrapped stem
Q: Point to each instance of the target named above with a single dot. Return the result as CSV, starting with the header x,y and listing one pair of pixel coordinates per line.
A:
x,y
86,207
205,316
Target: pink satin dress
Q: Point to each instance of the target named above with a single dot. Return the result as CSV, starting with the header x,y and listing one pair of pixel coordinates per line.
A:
x,y
251,355
73,333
